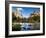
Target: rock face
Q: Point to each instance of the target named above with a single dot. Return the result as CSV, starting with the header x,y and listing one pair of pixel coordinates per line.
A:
x,y
18,13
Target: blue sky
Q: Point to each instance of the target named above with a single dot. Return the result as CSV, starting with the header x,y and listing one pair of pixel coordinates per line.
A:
x,y
26,11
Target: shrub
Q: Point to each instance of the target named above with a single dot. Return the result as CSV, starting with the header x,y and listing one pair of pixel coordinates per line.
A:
x,y
16,27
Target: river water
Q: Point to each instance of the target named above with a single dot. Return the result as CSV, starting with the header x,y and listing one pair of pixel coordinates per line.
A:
x,y
29,26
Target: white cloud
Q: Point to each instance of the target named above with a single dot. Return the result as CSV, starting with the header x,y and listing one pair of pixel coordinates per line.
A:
x,y
25,16
19,9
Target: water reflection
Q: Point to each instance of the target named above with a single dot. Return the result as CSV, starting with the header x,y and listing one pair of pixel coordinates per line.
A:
x,y
26,26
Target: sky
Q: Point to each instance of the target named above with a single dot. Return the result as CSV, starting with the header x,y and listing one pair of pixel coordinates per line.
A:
x,y
25,11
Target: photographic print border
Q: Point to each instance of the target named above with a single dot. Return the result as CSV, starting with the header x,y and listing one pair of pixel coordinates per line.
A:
x,y
7,18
